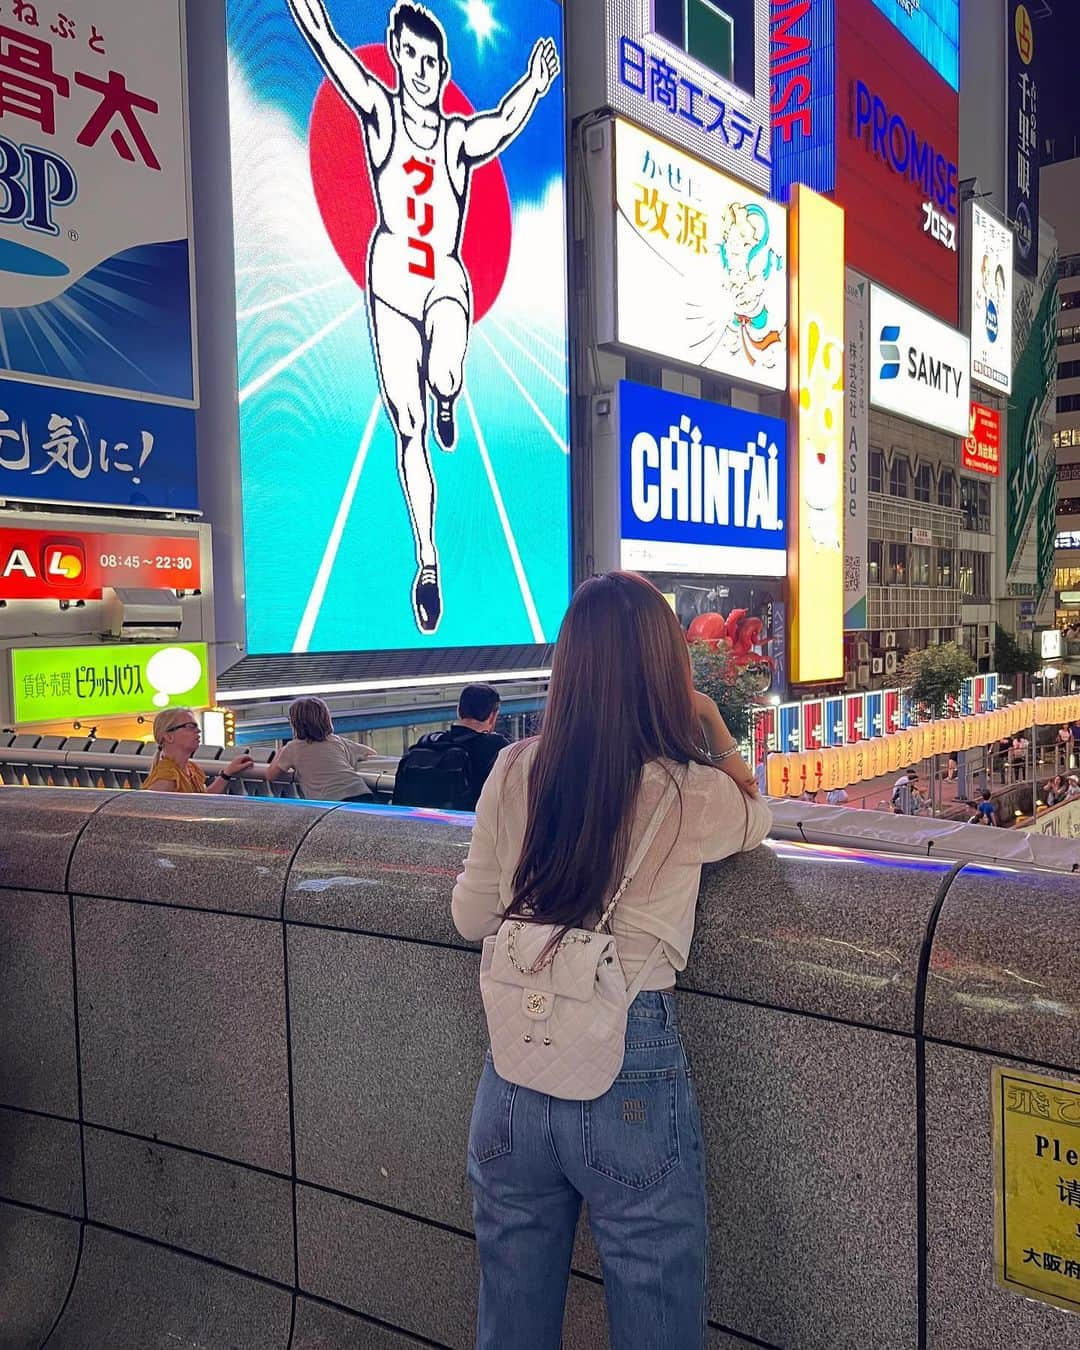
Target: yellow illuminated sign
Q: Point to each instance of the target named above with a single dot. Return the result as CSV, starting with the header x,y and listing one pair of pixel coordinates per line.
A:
x,y
816,548
1037,1186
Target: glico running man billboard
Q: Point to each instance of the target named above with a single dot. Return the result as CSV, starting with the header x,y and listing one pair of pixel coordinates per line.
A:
x,y
399,175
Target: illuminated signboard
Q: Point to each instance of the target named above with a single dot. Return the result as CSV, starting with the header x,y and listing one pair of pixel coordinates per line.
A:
x,y
1022,136
703,487
1030,407
401,311
1051,644
818,352
933,29
982,448
95,254
908,153
695,72
898,151
701,264
857,447
69,446
919,368
802,68
991,301
63,564
62,684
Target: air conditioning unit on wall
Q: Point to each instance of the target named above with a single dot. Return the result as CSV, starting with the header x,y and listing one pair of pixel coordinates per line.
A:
x,y
877,666
863,652
849,681
888,639
891,662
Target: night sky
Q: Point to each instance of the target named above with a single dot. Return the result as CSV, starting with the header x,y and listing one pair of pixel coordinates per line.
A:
x,y
1060,47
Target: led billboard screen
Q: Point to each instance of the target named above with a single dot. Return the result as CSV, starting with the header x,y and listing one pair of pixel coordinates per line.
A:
x,y
399,184
933,29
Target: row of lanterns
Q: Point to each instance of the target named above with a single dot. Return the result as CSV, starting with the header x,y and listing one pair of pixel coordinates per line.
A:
x,y
789,775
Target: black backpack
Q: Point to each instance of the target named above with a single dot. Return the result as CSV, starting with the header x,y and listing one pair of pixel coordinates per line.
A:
x,y
436,772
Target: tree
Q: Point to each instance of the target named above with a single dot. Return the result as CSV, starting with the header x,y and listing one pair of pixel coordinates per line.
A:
x,y
733,688
1012,659
936,674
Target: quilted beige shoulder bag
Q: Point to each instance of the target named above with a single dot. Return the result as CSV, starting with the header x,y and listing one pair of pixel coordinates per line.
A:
x,y
557,1018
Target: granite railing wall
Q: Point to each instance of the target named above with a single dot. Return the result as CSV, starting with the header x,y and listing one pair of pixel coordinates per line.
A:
x,y
239,1041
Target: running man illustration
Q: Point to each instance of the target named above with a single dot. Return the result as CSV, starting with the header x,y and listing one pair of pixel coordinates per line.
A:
x,y
418,292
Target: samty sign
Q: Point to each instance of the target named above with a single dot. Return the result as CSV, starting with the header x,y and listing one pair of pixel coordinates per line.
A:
x,y
920,368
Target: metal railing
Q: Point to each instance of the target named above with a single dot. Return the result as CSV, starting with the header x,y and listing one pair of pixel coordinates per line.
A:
x,y
81,762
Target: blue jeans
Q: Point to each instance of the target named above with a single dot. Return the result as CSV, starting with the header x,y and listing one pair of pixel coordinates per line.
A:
x,y
635,1157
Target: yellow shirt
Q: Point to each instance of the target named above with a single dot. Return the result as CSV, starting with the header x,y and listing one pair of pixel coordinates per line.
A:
x,y
191,779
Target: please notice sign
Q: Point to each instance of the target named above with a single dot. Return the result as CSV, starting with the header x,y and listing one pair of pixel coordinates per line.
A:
x,y
1037,1186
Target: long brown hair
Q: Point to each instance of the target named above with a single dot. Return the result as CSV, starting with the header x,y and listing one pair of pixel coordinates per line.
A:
x,y
620,695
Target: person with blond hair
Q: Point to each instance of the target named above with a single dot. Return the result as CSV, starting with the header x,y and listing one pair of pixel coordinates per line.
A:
x,y
177,734
326,766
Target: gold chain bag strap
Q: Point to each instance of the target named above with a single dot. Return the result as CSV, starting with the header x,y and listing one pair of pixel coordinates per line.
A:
x,y
556,1011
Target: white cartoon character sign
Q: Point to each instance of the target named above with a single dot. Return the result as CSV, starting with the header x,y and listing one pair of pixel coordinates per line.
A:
x,y
420,295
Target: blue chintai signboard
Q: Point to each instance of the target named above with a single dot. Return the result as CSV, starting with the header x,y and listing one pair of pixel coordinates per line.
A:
x,y
703,487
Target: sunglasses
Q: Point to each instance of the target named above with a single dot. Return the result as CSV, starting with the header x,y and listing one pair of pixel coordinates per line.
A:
x,y
185,726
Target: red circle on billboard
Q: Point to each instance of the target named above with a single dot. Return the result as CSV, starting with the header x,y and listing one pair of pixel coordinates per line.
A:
x,y
343,190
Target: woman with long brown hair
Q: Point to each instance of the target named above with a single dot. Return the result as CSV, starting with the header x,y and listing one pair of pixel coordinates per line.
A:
x,y
629,756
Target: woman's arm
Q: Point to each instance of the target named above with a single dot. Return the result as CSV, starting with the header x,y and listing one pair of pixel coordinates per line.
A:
x,y
722,745
476,906
242,764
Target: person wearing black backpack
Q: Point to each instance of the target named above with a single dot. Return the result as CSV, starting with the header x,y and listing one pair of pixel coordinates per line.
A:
x,y
447,769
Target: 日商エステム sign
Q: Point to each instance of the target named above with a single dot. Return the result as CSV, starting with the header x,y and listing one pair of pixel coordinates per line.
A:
x,y
695,72
62,684
703,487
919,367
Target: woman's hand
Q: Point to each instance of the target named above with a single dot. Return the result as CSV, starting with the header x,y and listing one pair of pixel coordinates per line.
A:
x,y
240,765
720,740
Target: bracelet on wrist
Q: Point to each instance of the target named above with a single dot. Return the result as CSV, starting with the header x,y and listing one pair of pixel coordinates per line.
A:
x,y
718,757
223,774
